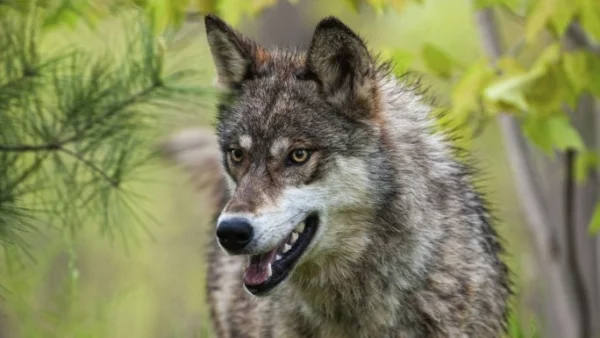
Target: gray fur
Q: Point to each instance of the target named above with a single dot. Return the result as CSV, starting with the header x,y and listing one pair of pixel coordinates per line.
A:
x,y
409,251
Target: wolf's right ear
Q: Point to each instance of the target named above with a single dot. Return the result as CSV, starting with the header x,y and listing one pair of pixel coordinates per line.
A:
x,y
236,56
341,62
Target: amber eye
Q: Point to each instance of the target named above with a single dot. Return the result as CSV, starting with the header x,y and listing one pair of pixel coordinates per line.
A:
x,y
236,155
299,156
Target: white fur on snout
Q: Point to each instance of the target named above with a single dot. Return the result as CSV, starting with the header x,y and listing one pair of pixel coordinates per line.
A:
x,y
271,227
345,188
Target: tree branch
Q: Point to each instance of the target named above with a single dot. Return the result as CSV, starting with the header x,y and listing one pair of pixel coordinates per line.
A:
x,y
571,245
579,36
91,166
531,197
584,249
22,148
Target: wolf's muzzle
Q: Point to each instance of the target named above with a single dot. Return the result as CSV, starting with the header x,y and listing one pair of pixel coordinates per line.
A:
x,y
235,233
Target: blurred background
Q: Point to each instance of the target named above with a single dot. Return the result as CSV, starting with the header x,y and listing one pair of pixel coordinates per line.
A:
x,y
100,237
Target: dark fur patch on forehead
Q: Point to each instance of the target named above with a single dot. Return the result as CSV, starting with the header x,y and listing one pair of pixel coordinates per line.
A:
x,y
285,99
282,63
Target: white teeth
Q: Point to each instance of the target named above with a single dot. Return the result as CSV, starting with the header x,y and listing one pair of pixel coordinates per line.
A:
x,y
286,248
278,257
300,228
269,271
293,238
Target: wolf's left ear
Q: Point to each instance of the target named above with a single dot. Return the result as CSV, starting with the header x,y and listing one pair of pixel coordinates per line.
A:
x,y
341,62
236,56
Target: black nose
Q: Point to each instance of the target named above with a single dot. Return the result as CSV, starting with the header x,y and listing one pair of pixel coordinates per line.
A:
x,y
234,234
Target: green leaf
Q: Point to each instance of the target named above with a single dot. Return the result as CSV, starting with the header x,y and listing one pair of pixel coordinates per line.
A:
x,y
437,61
546,93
595,223
552,132
467,91
576,69
511,90
548,58
563,15
564,135
536,21
568,94
590,17
510,66
534,129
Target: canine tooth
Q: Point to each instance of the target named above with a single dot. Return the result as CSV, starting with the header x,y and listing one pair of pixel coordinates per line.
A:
x,y
286,248
269,271
278,257
300,228
294,238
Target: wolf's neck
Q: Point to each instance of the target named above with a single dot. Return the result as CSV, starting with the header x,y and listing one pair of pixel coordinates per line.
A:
x,y
374,291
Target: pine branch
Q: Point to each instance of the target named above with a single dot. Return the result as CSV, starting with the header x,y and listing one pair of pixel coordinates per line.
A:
x,y
90,165
59,145
27,147
74,130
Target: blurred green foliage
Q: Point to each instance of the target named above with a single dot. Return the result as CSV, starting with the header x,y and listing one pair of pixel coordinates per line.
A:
x,y
82,94
75,123
543,91
533,81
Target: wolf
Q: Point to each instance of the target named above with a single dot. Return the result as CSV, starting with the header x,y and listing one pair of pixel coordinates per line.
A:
x,y
340,210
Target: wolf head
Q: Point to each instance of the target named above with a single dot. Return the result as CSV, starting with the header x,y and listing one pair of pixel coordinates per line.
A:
x,y
299,137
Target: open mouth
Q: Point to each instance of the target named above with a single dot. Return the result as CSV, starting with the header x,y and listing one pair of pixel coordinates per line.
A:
x,y
269,269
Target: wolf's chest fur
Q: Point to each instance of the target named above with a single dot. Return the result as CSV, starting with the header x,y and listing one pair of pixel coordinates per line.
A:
x,y
344,213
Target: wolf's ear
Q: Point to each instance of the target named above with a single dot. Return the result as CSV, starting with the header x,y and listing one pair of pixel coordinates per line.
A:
x,y
341,62
236,56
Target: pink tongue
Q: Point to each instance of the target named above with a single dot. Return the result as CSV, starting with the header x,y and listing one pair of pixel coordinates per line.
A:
x,y
258,272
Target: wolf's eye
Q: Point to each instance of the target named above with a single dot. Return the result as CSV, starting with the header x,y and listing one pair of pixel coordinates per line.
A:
x,y
236,155
299,156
